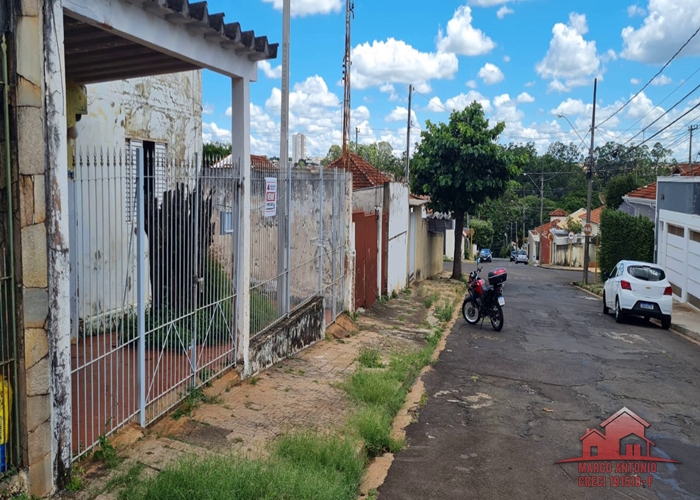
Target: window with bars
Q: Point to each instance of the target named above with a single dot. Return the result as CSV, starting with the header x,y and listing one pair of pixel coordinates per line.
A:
x,y
155,173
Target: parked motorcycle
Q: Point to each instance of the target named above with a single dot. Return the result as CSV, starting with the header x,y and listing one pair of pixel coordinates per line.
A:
x,y
485,301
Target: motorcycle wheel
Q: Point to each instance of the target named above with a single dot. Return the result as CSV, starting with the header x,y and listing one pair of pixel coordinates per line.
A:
x,y
496,317
470,310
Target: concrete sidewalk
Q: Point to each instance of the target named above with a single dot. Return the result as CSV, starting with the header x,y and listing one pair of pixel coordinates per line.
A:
x,y
301,392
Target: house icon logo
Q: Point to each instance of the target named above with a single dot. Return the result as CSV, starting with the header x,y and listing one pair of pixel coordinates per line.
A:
x,y
624,440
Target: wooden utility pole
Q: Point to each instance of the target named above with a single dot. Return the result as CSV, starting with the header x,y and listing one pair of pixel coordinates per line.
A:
x,y
590,186
408,134
357,135
349,7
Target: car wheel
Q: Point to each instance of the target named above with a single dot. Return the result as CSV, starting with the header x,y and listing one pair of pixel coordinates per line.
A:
x,y
618,311
666,322
606,309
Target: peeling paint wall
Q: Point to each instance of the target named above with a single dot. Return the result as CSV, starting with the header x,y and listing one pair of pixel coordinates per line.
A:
x,y
165,109
304,327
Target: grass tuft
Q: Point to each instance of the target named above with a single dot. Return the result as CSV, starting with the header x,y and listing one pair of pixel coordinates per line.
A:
x,y
430,300
370,358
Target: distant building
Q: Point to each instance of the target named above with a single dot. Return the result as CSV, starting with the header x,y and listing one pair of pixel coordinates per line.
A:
x,y
298,148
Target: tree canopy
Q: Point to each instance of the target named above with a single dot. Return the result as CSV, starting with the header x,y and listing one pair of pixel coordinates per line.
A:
x,y
618,187
460,165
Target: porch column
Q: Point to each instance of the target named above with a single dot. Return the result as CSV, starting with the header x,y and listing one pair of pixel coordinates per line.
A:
x,y
56,166
240,142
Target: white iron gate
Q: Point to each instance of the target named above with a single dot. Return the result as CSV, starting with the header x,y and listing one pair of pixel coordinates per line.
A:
x,y
153,276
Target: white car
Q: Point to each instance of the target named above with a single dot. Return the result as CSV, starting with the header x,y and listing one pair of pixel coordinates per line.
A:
x,y
639,289
521,256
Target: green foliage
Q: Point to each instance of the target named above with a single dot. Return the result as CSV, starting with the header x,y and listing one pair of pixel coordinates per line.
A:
x,y
460,165
618,187
445,311
194,397
645,164
373,424
573,225
262,311
334,153
483,233
624,237
216,150
431,299
370,358
105,452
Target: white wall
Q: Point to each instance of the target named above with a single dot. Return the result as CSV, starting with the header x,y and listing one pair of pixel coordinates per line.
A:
x,y
450,243
398,237
680,256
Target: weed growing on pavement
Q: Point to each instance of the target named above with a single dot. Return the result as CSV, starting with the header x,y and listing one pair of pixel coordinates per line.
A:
x,y
370,358
445,311
194,397
305,465
431,299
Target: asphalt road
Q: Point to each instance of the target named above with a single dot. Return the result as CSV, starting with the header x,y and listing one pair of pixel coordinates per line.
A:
x,y
504,407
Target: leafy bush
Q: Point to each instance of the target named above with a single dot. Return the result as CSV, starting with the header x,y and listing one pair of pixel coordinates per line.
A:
x,y
624,237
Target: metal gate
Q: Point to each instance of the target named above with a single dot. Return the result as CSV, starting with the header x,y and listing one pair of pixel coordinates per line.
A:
x,y
153,253
9,429
365,259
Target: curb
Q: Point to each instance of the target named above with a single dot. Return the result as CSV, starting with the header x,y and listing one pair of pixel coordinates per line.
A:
x,y
679,329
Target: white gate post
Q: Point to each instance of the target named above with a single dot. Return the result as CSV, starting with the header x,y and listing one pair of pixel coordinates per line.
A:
x,y
141,287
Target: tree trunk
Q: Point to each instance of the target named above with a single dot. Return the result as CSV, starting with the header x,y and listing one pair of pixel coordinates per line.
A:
x,y
459,229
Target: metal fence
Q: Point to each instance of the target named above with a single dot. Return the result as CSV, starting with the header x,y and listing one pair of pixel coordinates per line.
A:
x,y
287,271
153,251
9,415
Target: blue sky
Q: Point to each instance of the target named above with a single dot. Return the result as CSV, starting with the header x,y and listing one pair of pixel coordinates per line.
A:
x,y
526,61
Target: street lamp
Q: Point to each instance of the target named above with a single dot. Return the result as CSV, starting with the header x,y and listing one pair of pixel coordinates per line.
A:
x,y
583,142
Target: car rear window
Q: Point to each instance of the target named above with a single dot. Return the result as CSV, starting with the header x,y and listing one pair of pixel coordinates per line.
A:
x,y
646,273
522,253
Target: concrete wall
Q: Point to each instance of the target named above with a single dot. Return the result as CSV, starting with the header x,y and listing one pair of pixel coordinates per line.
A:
x,y
428,248
398,237
637,209
164,109
433,257
572,255
449,243
304,327
679,253
368,200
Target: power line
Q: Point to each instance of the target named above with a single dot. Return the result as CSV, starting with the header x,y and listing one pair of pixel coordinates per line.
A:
x,y
651,80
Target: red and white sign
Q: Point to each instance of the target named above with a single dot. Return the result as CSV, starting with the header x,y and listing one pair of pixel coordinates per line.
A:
x,y
270,196
587,229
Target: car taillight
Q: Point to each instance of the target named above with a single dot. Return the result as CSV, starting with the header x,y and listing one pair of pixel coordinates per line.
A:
x,y
668,290
625,285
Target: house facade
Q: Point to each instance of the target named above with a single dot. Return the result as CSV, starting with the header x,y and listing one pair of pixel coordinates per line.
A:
x,y
641,202
678,235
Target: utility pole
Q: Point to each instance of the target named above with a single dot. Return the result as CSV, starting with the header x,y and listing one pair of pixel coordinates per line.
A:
x,y
357,135
690,151
408,134
284,171
590,186
349,6
539,244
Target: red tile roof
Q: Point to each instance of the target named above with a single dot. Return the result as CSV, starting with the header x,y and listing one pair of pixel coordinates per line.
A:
x,y
364,175
261,162
646,192
546,227
685,169
595,215
559,213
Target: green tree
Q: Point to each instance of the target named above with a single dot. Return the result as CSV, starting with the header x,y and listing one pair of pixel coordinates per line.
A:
x,y
483,233
216,150
573,225
618,187
334,153
460,165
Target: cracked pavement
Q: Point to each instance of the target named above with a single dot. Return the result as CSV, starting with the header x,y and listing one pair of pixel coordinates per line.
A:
x,y
503,407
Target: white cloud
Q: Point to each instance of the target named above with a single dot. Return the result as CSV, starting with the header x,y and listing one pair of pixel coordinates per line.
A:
x,y
472,84
435,105
394,61
572,107
506,109
668,25
309,95
461,101
530,84
503,12
635,81
636,10
525,97
400,114
570,60
462,38
661,80
506,58
301,8
212,133
388,88
269,71
208,109
491,74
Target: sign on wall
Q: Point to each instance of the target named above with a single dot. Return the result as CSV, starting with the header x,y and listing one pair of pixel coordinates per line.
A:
x,y
270,196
